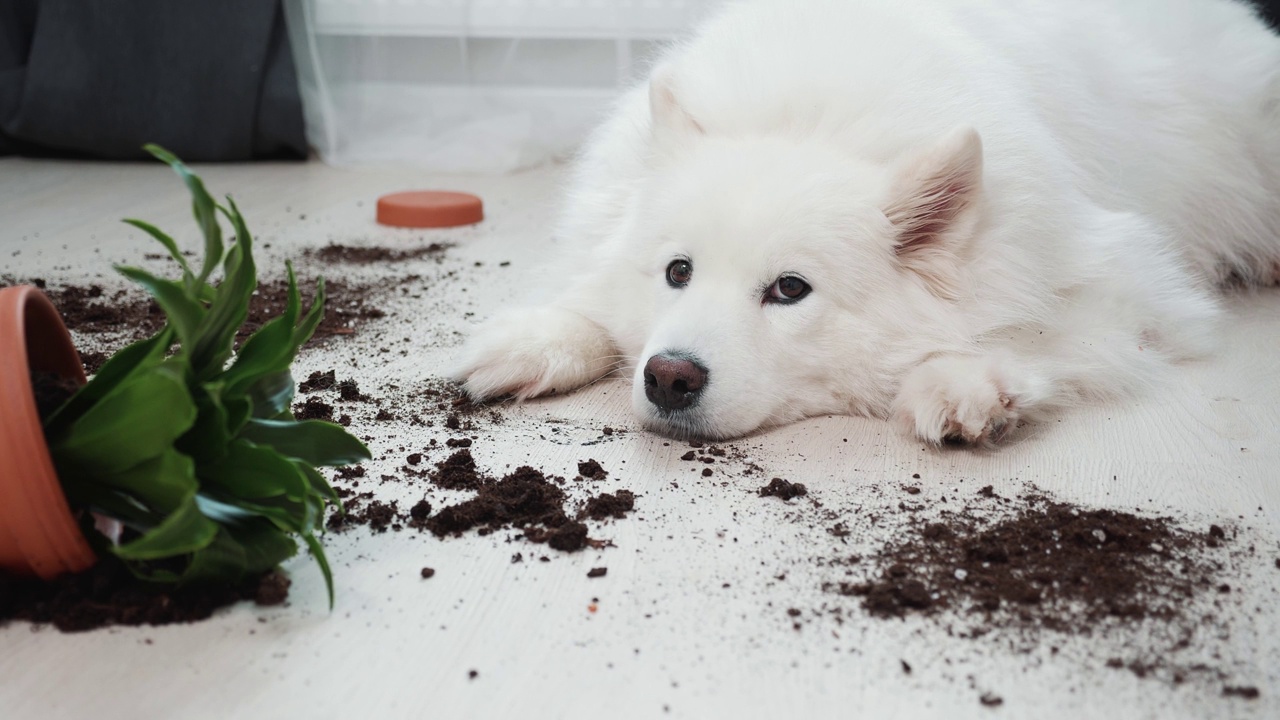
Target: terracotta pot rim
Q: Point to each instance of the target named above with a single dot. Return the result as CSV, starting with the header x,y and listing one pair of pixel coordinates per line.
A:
x,y
38,533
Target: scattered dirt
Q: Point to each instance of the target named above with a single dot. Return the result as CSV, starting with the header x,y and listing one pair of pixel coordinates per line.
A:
x,y
273,589
347,306
313,409
126,315
350,255
349,391
523,499
93,360
783,489
446,398
526,499
1247,692
597,572
427,573
362,509
108,594
591,469
1030,572
51,391
318,381
457,472
1059,566
606,505
92,309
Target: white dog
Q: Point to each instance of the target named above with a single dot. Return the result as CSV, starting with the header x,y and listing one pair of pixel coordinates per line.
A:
x,y
953,213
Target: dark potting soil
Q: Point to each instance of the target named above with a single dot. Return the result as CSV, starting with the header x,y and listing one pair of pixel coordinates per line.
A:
x,y
610,505
1043,562
93,310
351,255
457,472
347,306
318,381
93,360
523,499
592,470
313,409
51,391
783,489
362,509
526,499
458,412
108,594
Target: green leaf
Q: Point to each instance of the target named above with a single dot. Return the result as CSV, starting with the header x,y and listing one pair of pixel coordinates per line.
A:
x,y
269,350
155,487
264,544
222,561
312,441
308,326
203,206
317,551
110,502
185,530
272,394
188,277
245,545
285,514
135,422
252,472
208,437
319,484
239,410
230,306
184,312
135,358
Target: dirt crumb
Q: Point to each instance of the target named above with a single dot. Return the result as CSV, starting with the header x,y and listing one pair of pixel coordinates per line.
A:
x,y
610,505
783,489
592,470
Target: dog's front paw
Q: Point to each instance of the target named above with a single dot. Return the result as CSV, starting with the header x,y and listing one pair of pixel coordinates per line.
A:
x,y
956,399
534,351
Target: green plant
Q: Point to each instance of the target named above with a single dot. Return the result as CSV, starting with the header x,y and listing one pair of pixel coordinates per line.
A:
x,y
189,442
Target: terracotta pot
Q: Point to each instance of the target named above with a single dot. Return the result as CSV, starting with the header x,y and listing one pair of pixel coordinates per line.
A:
x,y
38,534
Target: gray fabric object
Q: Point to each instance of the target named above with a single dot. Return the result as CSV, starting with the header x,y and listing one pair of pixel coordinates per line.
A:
x,y
210,81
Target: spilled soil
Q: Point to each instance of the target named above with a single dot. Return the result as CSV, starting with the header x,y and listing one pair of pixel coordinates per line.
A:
x,y
125,315
1049,563
108,594
353,255
1027,569
527,500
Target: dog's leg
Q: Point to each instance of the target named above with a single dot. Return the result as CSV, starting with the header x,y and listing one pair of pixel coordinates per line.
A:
x,y
527,352
971,398
1112,335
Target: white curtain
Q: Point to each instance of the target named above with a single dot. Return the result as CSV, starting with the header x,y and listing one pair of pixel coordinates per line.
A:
x,y
474,86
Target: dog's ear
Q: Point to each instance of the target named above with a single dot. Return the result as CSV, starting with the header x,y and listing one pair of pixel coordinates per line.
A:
x,y
671,124
933,208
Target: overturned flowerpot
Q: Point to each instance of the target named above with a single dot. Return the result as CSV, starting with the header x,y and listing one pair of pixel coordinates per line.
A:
x,y
38,534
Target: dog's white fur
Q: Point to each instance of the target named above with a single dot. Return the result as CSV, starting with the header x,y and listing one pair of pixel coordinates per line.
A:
x,y
1002,207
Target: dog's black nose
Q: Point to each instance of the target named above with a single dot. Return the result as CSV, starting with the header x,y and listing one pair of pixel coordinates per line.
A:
x,y
673,383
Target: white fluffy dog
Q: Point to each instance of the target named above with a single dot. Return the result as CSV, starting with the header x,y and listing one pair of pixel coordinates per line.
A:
x,y
953,213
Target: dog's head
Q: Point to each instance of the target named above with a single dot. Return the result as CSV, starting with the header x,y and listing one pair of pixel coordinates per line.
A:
x,y
789,279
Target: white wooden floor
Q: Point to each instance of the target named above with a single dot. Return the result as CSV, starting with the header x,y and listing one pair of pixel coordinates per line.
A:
x,y
690,620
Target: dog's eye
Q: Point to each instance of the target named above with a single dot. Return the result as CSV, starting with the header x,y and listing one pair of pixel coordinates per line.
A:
x,y
679,273
787,289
